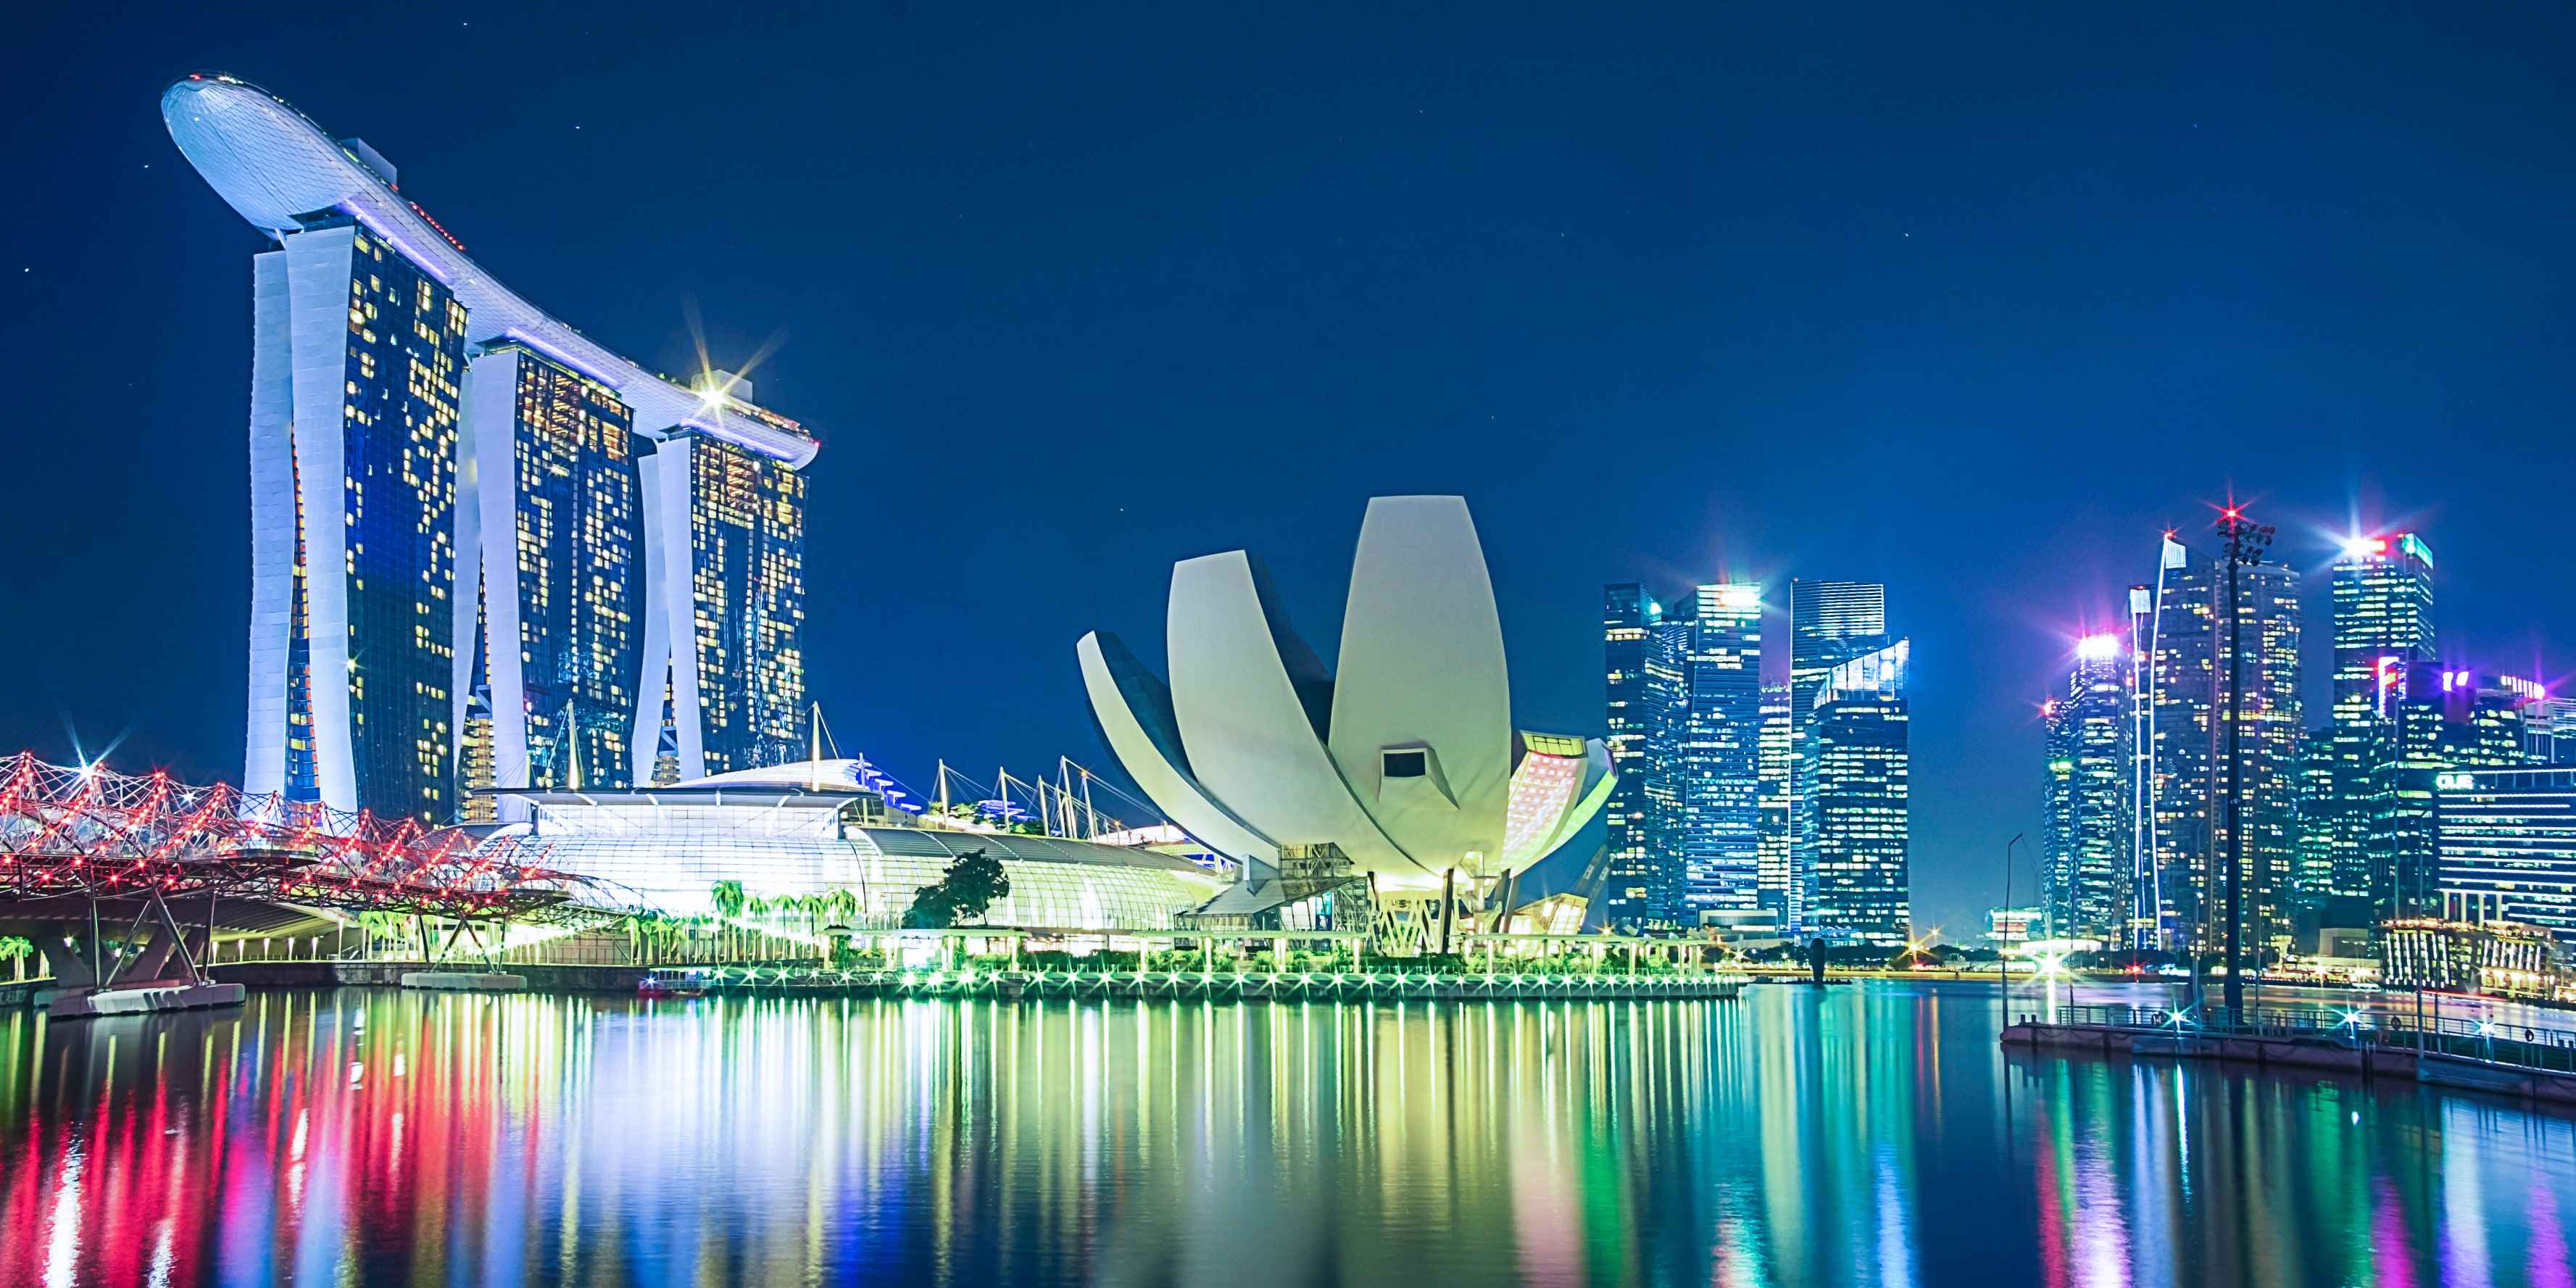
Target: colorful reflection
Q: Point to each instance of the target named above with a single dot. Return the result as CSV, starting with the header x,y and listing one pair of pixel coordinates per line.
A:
x,y
1863,1135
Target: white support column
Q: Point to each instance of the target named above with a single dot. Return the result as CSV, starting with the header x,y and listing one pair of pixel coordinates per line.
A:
x,y
670,612
491,417
317,282
272,524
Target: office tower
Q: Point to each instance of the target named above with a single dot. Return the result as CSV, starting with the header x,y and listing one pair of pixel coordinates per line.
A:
x,y
1643,691
2086,855
1778,845
2181,756
551,601
365,315
2383,628
1853,788
1719,753
2315,875
2436,721
2150,913
356,356
2484,716
2507,843
1830,622
2191,672
2548,722
723,669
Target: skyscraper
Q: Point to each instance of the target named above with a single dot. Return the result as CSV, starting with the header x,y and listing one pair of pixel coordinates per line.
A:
x,y
551,602
1720,752
2191,671
2383,629
377,678
357,352
1778,847
2507,840
1642,691
2085,849
724,608
2548,722
1854,788
1830,622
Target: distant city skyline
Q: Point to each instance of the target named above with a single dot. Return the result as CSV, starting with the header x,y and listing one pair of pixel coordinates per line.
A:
x,y
1674,296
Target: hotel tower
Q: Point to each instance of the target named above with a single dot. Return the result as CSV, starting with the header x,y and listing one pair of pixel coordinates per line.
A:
x,y
485,550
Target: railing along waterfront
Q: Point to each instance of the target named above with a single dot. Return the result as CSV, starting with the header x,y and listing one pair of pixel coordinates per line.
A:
x,y
2516,1045
1213,984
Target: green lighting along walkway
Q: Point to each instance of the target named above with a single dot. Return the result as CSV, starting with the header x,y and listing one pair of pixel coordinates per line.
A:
x,y
1320,985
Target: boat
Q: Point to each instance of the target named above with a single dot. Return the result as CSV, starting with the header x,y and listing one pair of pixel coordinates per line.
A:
x,y
681,983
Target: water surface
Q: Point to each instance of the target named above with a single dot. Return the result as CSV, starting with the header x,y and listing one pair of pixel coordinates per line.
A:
x,y
1865,1135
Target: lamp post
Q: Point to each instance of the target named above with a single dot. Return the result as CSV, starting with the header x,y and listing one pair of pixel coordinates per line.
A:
x,y
2003,942
2246,542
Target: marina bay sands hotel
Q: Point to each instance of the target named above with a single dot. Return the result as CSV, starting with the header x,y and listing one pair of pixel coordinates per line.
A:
x,y
485,549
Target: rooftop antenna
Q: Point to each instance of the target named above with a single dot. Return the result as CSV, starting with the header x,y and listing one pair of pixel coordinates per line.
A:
x,y
572,747
814,757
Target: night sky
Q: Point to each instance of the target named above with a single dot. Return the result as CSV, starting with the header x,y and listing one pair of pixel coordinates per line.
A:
x,y
1971,305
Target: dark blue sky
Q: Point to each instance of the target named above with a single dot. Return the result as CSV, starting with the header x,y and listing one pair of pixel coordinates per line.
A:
x,y
1969,304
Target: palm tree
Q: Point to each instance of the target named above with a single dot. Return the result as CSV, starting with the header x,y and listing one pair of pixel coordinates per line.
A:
x,y
842,905
15,950
728,898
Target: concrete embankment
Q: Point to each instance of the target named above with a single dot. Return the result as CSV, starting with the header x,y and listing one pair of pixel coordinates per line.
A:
x,y
329,974
998,984
2317,1053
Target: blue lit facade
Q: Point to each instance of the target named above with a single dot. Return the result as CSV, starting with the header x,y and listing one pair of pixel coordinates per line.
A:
x,y
357,355
1719,753
2383,632
370,684
555,518
726,624
1855,789
1641,652
2085,845
1830,623
2507,840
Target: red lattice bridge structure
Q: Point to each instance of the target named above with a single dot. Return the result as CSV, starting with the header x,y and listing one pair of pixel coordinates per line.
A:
x,y
83,849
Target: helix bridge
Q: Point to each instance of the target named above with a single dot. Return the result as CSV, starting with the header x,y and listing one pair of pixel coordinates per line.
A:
x,y
174,861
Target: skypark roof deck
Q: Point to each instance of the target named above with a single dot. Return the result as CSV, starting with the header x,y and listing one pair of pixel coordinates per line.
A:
x,y
279,169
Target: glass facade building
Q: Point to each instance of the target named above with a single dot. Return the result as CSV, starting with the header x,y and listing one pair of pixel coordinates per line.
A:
x,y
554,519
2192,779
668,850
357,358
1643,698
2383,631
1778,844
2507,839
724,666
1854,786
2085,851
1719,753
1830,623
373,679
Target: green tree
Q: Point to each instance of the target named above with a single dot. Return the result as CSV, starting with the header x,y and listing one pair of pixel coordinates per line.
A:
x,y
964,893
15,950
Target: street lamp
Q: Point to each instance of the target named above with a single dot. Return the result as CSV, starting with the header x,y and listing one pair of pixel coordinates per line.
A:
x,y
2003,941
2246,542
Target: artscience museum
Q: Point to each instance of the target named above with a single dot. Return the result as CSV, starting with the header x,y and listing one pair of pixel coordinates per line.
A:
x,y
1398,765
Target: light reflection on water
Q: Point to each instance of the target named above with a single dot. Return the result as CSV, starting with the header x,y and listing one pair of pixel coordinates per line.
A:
x,y
1864,1135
